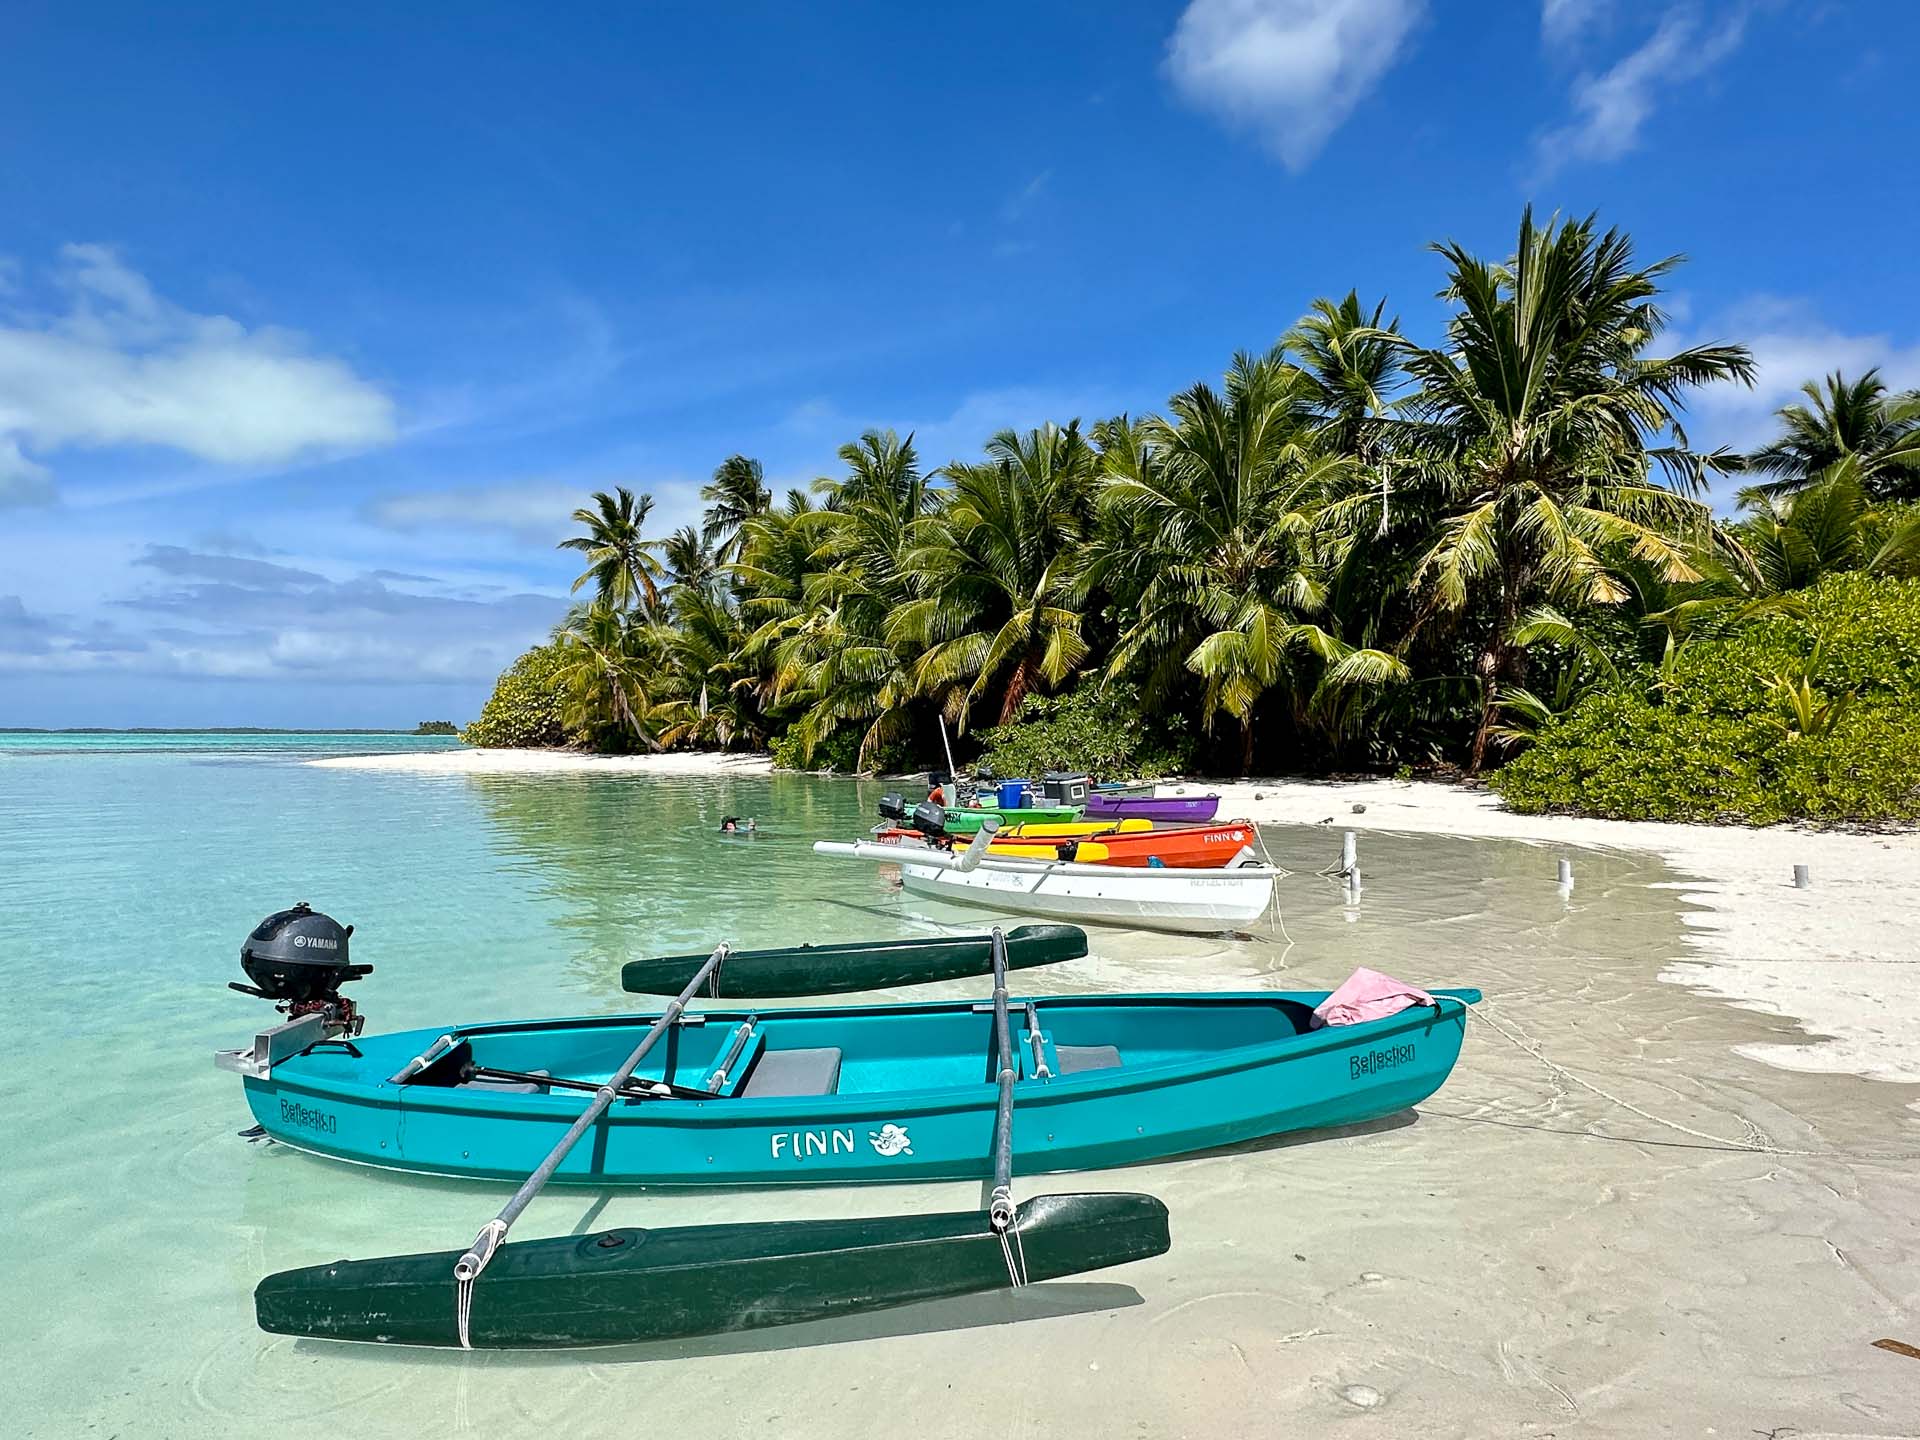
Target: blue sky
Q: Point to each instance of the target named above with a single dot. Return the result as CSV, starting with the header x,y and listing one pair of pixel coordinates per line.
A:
x,y
315,322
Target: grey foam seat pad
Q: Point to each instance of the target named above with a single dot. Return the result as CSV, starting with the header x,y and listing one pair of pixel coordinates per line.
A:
x,y
794,1072
1076,1058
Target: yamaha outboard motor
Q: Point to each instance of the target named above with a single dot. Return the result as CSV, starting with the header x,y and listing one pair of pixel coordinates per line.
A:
x,y
893,808
298,959
930,820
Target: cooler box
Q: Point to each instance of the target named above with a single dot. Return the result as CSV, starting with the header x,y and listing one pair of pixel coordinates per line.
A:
x,y
1013,794
1062,787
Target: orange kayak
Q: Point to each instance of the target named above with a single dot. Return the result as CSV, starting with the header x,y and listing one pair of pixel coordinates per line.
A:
x,y
1190,847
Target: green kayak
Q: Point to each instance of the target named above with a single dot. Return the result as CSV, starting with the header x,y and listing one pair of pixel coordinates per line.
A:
x,y
966,821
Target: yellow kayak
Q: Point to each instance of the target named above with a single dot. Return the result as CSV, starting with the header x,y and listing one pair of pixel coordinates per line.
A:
x,y
1069,829
1090,852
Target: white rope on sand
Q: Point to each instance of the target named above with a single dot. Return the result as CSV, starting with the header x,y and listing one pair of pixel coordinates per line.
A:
x,y
1761,1146
1765,1146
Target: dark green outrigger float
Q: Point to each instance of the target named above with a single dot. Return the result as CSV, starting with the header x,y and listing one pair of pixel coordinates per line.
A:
x,y
856,965
632,1285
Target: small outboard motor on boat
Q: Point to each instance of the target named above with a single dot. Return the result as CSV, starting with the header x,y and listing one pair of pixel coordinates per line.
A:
x,y
893,808
298,959
930,820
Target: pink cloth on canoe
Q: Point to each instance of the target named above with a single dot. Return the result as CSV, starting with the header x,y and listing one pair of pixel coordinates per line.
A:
x,y
1367,995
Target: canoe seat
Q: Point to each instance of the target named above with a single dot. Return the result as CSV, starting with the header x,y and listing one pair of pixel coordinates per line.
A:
x,y
506,1087
1076,1058
794,1072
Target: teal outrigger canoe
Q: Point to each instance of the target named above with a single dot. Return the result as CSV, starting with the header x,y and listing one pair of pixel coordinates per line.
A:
x,y
909,1092
855,1094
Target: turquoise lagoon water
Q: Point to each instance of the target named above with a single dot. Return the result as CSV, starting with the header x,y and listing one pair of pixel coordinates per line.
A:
x,y
137,1221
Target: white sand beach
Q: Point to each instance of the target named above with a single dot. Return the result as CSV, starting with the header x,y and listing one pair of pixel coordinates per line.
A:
x,y
1842,957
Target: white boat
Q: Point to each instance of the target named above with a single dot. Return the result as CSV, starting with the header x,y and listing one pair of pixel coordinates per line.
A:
x,y
1200,902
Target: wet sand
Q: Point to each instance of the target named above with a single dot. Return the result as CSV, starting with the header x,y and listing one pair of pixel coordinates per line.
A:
x,y
1842,957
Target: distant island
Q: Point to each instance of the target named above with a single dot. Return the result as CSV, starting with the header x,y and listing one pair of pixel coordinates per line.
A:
x,y
436,727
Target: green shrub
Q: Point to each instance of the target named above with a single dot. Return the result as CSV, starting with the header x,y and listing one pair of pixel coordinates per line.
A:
x,y
1622,757
526,705
839,752
1718,738
1097,728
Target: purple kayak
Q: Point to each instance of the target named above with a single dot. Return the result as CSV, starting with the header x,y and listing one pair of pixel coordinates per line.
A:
x,y
1182,809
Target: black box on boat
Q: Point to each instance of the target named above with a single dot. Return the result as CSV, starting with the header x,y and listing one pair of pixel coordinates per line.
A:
x,y
1063,787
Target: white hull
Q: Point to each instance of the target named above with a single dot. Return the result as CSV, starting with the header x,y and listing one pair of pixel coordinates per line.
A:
x,y
1199,902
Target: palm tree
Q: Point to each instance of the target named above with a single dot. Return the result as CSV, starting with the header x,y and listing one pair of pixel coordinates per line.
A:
x,y
688,564
606,659
1219,503
1351,367
1791,541
820,588
882,469
736,494
1541,419
994,572
705,653
620,562
1858,420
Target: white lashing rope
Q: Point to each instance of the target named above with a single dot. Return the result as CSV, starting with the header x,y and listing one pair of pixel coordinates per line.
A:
x,y
1016,1263
491,1236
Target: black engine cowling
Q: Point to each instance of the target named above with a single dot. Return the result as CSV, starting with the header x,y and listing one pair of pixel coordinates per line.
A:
x,y
298,956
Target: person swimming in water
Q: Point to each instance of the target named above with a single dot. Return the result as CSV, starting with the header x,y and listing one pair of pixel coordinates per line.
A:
x,y
730,825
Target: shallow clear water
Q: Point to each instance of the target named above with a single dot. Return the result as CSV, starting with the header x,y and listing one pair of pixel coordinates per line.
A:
x,y
137,1223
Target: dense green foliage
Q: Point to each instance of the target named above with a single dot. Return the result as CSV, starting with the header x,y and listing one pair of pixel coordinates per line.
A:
x,y
527,704
1811,713
1354,551
436,727
1096,728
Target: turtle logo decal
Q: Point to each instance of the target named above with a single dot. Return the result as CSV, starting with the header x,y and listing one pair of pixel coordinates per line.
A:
x,y
890,1140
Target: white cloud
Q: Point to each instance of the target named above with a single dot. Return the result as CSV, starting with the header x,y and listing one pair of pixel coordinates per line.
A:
x,y
1612,107
1289,70
1562,22
21,481
120,365
534,511
1790,346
